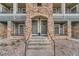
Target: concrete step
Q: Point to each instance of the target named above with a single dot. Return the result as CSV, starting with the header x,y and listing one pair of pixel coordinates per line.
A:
x,y
39,43
39,37
39,47
42,52
39,40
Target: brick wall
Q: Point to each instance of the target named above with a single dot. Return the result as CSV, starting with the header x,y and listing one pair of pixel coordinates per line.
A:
x,y
3,30
75,30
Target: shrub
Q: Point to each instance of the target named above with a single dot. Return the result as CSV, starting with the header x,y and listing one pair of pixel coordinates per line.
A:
x,y
3,44
18,41
13,43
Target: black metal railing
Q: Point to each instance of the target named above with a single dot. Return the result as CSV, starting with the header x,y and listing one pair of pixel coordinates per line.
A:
x,y
26,43
53,43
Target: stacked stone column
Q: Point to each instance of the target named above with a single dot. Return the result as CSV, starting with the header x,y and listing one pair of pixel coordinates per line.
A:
x,y
50,22
28,25
50,27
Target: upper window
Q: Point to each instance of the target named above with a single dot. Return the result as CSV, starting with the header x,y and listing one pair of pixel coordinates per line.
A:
x,y
39,4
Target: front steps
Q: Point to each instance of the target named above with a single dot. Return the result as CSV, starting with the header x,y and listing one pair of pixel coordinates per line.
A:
x,y
39,46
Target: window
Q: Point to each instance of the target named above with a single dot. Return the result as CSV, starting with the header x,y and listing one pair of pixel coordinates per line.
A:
x,y
59,29
21,29
39,4
56,10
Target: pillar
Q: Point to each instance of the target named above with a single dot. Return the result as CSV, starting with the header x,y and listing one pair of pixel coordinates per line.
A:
x,y
28,27
69,29
28,22
77,8
63,8
8,29
50,27
50,22
0,8
15,8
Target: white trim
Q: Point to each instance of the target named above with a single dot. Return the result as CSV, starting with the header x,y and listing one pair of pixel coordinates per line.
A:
x,y
77,8
40,27
59,29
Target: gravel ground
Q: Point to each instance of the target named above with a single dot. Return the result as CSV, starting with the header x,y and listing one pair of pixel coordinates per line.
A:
x,y
66,48
62,48
15,48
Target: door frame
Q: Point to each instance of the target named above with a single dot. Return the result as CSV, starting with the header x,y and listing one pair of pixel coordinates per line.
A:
x,y
39,26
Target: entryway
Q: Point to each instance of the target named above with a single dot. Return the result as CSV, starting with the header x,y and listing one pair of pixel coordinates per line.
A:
x,y
39,26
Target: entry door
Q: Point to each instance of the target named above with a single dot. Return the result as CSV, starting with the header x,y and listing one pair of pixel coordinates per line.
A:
x,y
44,27
34,27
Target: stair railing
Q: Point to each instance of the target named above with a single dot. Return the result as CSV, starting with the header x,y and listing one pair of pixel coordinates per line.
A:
x,y
26,43
53,43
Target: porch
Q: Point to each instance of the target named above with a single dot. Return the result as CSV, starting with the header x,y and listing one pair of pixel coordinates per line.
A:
x,y
62,30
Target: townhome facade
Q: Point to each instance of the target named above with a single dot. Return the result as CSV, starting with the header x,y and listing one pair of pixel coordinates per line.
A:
x,y
23,20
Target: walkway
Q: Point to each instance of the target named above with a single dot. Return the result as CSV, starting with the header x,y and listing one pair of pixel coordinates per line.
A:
x,y
39,48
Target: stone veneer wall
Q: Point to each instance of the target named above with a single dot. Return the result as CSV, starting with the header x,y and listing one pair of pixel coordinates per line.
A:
x,y
38,11
75,30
